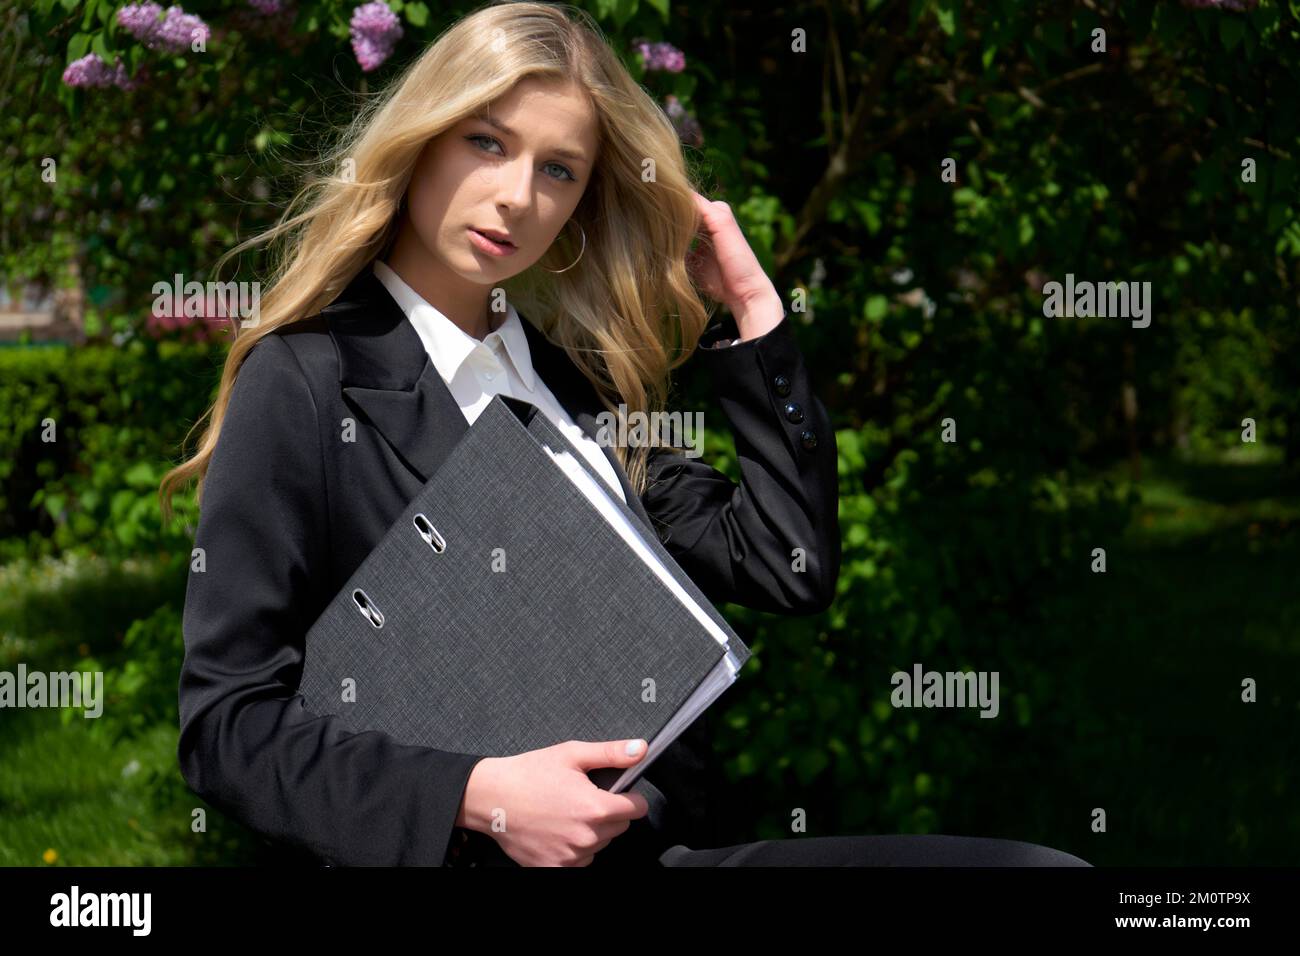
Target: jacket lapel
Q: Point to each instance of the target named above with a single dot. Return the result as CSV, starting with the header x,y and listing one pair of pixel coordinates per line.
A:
x,y
385,372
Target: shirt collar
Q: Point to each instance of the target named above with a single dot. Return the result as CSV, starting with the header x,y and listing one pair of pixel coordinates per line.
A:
x,y
447,343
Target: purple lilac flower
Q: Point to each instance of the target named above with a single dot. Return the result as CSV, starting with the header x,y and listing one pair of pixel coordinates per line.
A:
x,y
92,71
180,29
267,7
140,19
174,32
375,31
660,56
688,128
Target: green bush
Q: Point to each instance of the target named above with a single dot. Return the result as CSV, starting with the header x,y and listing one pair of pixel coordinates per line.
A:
x,y
85,437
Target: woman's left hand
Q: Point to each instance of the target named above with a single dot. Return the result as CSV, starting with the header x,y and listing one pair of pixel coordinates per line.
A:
x,y
725,268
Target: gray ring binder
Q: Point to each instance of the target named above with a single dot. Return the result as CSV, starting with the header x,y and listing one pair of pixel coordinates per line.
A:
x,y
576,637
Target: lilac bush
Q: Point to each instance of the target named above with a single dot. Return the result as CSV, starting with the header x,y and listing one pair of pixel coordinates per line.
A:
x,y
688,128
375,31
92,71
172,32
660,56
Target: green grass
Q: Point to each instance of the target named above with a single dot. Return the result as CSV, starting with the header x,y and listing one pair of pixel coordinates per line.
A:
x,y
69,797
79,792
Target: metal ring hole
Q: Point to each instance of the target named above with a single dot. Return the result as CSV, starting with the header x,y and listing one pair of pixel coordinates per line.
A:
x,y
367,607
429,533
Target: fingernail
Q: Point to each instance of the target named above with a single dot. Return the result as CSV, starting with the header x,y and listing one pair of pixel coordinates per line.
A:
x,y
633,748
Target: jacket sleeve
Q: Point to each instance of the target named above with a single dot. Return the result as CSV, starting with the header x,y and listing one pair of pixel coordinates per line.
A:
x,y
247,743
738,541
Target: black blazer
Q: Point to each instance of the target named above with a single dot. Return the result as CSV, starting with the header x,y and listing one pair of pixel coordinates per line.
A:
x,y
333,425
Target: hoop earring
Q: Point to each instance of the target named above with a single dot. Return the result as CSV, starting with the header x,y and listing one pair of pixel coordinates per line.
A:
x,y
580,252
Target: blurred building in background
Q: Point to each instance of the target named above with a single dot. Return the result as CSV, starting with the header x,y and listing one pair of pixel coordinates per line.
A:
x,y
34,312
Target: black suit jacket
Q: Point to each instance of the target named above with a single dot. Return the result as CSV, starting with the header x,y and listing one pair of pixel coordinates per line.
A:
x,y
334,423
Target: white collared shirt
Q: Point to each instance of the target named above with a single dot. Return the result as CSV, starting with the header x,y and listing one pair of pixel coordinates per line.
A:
x,y
476,370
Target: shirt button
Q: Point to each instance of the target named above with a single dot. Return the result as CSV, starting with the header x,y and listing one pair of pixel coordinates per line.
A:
x,y
809,439
782,385
793,411
489,375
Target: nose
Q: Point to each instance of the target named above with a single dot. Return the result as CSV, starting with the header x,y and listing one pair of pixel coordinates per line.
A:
x,y
515,186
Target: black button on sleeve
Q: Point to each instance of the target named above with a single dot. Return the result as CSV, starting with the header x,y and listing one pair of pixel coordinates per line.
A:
x,y
735,541
793,412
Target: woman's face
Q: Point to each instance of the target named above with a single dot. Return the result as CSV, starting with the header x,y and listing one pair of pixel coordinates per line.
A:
x,y
518,175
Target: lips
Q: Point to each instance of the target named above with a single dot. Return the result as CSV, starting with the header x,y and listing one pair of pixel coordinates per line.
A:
x,y
495,236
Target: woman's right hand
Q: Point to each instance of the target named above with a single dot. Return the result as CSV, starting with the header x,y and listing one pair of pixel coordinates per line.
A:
x,y
549,811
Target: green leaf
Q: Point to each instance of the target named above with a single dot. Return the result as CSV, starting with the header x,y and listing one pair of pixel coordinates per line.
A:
x,y
1026,229
869,213
140,475
624,11
1231,30
947,17
100,45
77,46
417,14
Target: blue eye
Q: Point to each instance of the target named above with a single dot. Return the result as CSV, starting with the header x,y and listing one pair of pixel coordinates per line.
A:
x,y
572,178
480,136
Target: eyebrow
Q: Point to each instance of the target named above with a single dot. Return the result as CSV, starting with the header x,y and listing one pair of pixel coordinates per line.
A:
x,y
558,150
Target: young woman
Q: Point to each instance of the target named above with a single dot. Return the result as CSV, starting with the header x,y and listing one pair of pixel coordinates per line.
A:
x,y
516,154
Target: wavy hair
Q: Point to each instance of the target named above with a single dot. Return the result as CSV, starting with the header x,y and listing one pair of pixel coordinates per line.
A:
x,y
627,314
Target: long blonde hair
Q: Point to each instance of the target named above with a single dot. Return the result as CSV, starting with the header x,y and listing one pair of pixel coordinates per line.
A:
x,y
627,314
